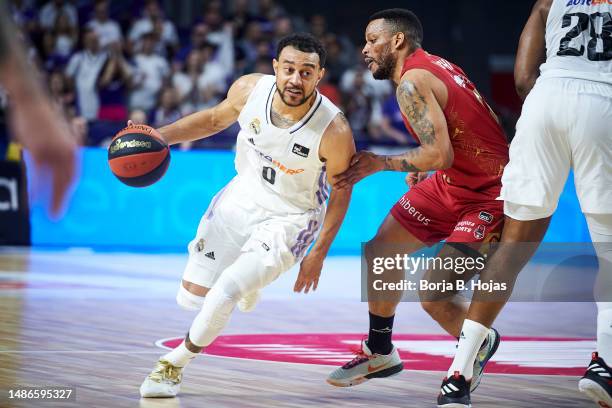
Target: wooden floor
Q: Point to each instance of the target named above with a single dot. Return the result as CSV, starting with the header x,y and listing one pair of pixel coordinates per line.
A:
x,y
92,320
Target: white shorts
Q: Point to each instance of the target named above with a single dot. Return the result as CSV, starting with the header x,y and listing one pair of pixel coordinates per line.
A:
x,y
233,225
565,123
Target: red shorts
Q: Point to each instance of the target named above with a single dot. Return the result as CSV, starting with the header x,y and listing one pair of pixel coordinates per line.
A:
x,y
434,210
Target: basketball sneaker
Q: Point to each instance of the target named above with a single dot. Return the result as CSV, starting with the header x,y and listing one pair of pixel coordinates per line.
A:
x,y
366,365
164,381
597,382
483,357
454,392
247,303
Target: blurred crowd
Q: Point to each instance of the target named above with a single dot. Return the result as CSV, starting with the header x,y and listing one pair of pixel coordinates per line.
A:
x,y
106,62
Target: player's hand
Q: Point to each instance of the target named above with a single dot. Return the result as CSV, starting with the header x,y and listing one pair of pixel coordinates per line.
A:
x,y
310,271
412,179
363,164
46,134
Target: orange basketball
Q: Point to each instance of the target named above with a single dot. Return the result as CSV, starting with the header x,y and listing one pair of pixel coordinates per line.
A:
x,y
138,156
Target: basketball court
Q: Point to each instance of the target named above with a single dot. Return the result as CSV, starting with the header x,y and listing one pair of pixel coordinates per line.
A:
x,y
99,321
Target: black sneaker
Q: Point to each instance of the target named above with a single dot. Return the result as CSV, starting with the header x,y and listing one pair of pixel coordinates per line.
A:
x,y
454,392
597,382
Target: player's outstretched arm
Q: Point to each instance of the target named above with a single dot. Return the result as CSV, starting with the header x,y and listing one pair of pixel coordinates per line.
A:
x,y
337,148
532,49
417,101
33,120
210,121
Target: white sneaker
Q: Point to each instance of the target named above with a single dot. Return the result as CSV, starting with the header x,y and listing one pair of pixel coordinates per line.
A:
x,y
164,381
366,365
248,302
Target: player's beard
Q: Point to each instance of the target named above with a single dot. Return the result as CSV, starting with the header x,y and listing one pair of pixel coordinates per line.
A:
x,y
386,66
300,103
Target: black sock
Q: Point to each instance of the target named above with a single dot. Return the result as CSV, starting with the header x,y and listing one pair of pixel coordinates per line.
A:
x,y
379,338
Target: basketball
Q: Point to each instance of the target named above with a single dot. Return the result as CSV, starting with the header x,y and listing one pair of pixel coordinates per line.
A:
x,y
138,156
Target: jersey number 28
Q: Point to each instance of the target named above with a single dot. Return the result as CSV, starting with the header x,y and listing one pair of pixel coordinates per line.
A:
x,y
588,22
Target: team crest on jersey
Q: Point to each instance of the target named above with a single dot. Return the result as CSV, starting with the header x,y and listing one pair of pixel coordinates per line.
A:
x,y
300,150
255,126
199,247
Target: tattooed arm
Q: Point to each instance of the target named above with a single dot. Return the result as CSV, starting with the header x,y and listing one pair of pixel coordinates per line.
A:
x,y
420,105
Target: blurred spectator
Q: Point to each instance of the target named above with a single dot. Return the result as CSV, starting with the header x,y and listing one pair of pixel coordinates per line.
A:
x,y
50,11
80,129
337,62
331,91
139,117
61,39
282,28
151,70
84,69
263,65
392,124
199,34
108,30
379,89
270,10
152,14
214,75
113,86
240,16
359,103
185,82
24,15
248,45
168,108
61,94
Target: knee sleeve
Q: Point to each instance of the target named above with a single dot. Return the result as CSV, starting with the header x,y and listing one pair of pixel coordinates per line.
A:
x,y
244,276
188,301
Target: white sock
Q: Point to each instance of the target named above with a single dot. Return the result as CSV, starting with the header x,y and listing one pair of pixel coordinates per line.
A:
x,y
180,356
600,228
604,333
472,336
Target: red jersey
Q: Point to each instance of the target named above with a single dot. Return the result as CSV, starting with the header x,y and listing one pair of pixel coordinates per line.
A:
x,y
479,143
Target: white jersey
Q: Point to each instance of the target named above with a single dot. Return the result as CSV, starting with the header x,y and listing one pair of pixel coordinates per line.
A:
x,y
280,169
579,40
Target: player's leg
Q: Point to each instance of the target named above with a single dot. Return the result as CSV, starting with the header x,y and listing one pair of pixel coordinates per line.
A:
x,y
596,381
540,159
378,357
214,248
417,218
590,140
446,307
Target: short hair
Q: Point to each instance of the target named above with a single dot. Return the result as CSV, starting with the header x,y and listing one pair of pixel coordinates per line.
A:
x,y
303,42
402,21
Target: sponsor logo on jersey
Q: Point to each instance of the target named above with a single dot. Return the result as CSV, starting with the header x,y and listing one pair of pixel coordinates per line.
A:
x,y
279,165
479,232
300,150
265,246
486,217
255,126
252,141
210,255
424,352
587,2
405,204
